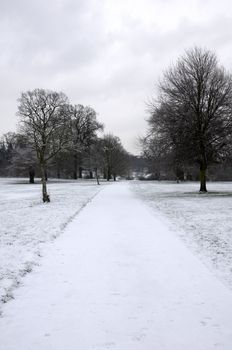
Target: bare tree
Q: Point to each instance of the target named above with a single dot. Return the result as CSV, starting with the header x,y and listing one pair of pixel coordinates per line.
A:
x,y
8,144
97,157
192,116
84,128
115,157
44,117
23,161
18,155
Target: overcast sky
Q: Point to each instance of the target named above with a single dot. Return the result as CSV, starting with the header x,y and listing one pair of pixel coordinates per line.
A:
x,y
107,54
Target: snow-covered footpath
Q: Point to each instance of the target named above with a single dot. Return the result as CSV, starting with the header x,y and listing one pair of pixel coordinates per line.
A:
x,y
118,278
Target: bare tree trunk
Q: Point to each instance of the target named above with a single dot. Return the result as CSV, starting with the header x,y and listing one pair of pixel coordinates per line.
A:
x,y
31,175
108,174
58,173
97,178
45,195
75,167
80,172
203,178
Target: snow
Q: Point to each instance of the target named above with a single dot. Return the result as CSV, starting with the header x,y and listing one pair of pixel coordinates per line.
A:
x,y
118,278
27,224
202,221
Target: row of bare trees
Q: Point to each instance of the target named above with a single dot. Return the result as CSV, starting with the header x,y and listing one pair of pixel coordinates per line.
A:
x,y
55,135
190,121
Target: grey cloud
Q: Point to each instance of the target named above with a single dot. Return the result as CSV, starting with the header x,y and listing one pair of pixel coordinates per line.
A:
x,y
68,32
67,45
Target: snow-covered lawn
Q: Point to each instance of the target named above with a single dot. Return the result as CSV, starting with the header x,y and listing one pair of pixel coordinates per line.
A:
x,y
27,225
203,221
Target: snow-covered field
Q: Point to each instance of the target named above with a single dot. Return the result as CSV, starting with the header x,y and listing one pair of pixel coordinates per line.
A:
x,y
28,225
203,221
119,279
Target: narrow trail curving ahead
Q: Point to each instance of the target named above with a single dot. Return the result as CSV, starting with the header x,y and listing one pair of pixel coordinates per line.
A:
x,y
118,279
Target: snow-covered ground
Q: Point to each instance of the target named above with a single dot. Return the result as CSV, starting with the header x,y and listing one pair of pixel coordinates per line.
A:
x,y
27,224
118,279
203,221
